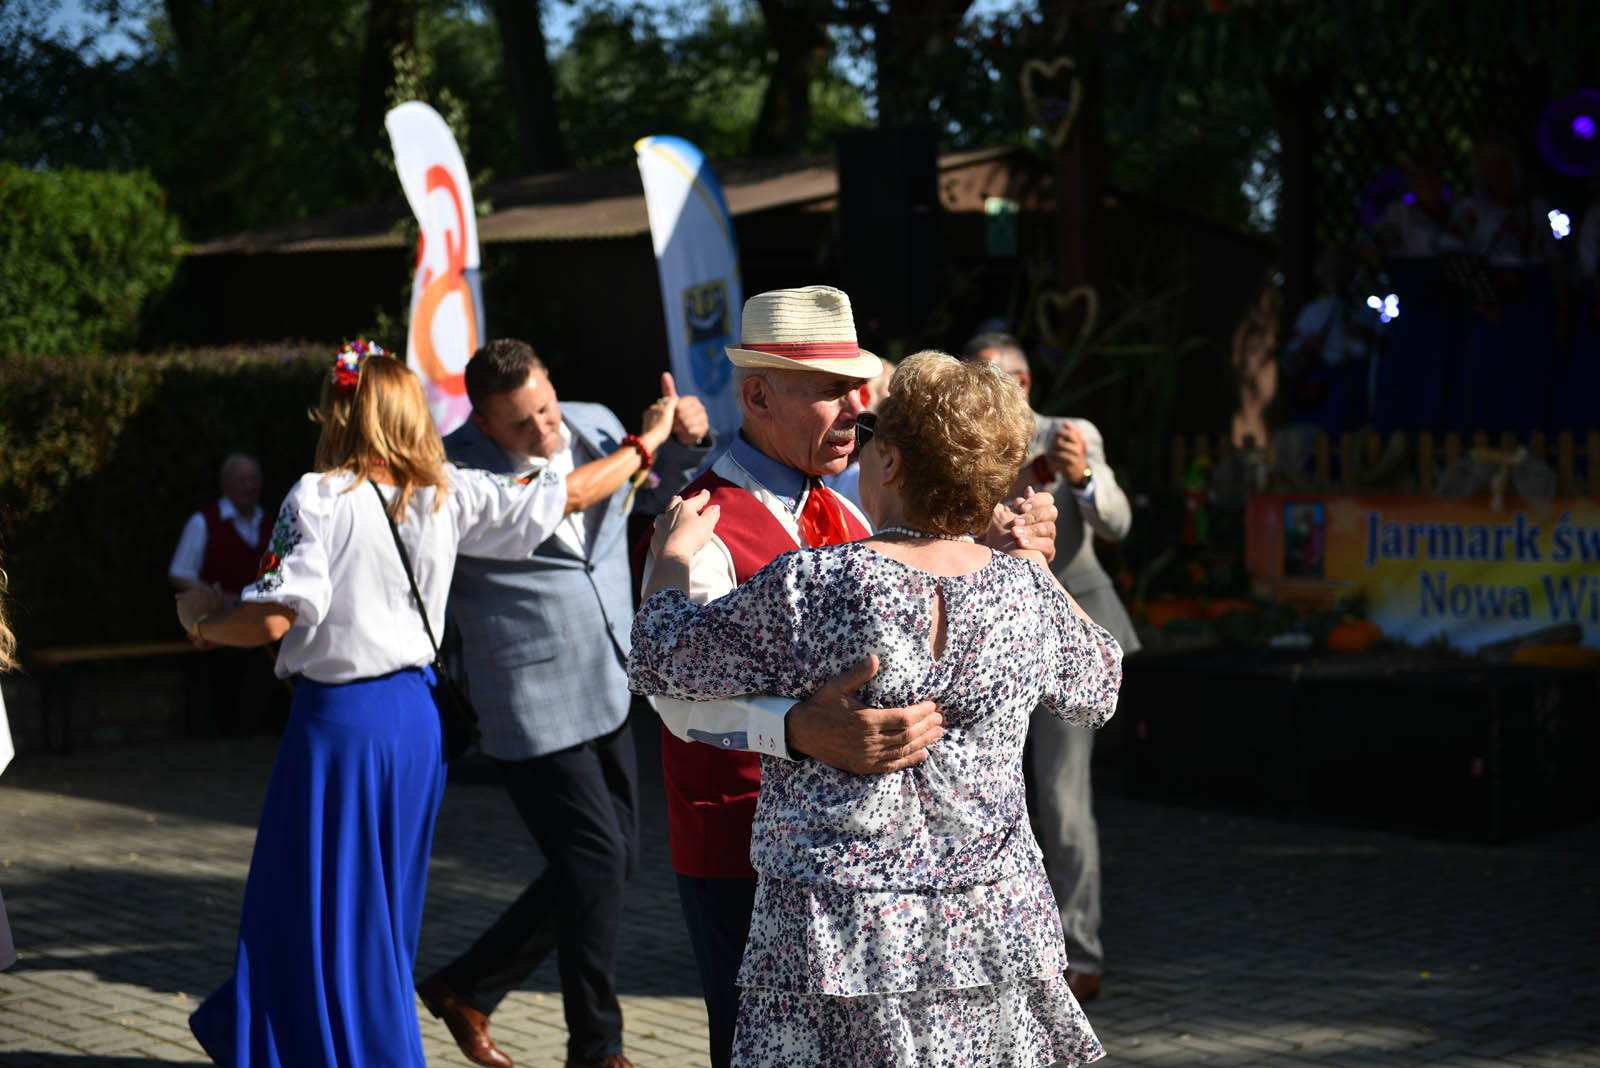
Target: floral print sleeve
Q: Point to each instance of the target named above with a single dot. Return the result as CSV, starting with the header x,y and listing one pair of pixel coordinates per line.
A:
x,y
294,569
741,643
1084,668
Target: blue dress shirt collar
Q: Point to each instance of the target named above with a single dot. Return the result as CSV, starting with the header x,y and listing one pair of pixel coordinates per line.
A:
x,y
783,481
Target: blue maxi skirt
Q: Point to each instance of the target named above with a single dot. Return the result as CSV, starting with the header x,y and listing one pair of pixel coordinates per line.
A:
x,y
333,902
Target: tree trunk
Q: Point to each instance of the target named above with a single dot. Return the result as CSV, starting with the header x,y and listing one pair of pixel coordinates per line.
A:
x,y
910,31
390,24
532,85
184,17
1294,103
801,41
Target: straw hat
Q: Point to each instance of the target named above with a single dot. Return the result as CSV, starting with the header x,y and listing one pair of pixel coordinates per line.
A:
x,y
805,329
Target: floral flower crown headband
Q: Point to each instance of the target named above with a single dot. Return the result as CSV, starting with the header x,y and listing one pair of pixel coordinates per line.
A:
x,y
347,363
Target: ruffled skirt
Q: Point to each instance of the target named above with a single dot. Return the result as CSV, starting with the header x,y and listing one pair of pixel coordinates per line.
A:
x,y
895,979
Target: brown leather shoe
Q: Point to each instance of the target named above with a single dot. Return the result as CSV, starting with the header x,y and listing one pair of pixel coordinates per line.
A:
x,y
468,1026
616,1060
1084,985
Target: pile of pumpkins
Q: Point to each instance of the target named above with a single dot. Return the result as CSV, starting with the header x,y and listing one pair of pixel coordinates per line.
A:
x,y
1244,622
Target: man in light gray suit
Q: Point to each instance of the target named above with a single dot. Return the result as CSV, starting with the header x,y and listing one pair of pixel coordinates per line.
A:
x,y
545,644
1068,457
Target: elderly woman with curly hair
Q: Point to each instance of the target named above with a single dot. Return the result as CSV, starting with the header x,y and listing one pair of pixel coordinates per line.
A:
x,y
333,901
900,919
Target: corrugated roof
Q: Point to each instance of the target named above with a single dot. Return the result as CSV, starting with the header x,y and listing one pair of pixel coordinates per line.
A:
x,y
574,206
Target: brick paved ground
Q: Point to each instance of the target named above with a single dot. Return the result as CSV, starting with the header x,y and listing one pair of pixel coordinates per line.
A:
x,y
1233,940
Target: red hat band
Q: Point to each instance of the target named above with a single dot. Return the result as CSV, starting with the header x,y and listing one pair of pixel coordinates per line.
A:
x,y
805,350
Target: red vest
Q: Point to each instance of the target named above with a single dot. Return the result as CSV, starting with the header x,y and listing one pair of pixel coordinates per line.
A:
x,y
230,561
711,793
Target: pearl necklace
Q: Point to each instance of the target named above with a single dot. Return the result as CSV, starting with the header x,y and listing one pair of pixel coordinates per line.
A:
x,y
908,532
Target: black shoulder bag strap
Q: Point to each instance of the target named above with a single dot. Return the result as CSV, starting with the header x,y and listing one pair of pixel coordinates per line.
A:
x,y
405,561
457,717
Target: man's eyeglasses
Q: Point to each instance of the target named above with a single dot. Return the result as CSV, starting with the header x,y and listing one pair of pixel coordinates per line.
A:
x,y
866,426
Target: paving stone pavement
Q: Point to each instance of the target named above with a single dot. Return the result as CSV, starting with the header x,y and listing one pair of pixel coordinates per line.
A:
x,y
1233,940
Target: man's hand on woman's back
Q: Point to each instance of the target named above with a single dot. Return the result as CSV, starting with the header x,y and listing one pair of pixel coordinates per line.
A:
x,y
833,726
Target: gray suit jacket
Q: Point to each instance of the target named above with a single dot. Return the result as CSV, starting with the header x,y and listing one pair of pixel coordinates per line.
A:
x,y
1106,514
544,641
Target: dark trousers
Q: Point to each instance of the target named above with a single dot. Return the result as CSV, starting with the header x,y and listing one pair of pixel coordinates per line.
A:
x,y
581,805
717,912
228,672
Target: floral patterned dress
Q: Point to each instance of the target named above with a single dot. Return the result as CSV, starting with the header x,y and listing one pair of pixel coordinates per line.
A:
x,y
900,919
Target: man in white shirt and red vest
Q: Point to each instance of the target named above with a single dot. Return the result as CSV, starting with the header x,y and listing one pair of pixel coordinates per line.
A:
x,y
221,546
222,543
800,375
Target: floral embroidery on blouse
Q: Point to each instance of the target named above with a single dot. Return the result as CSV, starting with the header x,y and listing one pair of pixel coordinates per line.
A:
x,y
544,475
285,536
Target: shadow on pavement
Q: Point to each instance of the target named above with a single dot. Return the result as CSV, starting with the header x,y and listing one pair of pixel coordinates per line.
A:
x,y
89,1060
163,932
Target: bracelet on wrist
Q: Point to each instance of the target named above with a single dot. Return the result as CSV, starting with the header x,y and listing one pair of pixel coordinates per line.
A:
x,y
644,450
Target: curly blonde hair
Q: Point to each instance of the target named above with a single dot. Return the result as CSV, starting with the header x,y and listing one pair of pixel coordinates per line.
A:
x,y
962,430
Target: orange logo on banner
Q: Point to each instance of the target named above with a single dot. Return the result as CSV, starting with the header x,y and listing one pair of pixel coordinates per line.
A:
x,y
434,290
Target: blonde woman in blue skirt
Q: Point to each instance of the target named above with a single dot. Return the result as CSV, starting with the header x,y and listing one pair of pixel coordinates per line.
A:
x,y
333,902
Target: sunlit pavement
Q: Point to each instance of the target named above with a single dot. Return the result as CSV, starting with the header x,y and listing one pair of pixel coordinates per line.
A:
x,y
1232,940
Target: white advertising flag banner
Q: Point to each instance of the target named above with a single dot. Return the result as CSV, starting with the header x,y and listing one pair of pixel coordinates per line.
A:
x,y
446,301
697,260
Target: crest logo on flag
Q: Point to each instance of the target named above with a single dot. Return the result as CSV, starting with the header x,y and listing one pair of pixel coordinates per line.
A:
x,y
705,317
691,234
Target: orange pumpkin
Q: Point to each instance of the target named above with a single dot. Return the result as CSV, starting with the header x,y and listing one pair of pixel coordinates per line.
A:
x,y
1164,611
1224,605
1353,636
1562,655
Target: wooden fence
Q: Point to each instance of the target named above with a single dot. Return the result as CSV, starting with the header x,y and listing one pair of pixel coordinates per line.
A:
x,y
1409,463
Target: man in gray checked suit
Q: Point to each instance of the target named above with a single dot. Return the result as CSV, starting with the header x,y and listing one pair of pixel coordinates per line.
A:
x,y
1068,457
545,644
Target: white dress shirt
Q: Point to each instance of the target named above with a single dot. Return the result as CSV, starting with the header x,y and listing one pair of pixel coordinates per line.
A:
x,y
573,531
711,575
337,567
191,552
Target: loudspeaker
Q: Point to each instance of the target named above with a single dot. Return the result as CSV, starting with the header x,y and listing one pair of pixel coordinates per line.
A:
x,y
890,252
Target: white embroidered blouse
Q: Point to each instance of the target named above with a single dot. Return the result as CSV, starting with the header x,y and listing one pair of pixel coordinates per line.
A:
x,y
333,561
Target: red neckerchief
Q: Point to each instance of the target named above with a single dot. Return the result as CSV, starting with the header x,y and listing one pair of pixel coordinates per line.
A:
x,y
822,519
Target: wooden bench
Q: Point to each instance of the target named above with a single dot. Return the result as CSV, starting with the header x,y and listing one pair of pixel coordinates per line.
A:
x,y
56,666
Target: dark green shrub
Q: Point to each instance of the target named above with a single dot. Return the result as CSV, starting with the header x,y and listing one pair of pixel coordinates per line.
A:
x,y
103,459
82,254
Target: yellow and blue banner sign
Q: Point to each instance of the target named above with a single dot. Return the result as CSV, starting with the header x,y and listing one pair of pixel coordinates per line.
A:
x,y
697,260
1431,567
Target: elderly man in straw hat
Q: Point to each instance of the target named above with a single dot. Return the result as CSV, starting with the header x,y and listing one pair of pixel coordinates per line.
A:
x,y
800,375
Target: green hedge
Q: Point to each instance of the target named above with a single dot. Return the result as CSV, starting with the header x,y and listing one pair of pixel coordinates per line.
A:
x,y
103,459
82,255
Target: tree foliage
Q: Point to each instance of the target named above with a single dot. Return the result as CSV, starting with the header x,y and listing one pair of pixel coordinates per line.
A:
x,y
624,76
250,114
100,438
82,255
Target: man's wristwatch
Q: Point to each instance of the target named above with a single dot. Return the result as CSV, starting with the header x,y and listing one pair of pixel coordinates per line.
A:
x,y
1084,479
